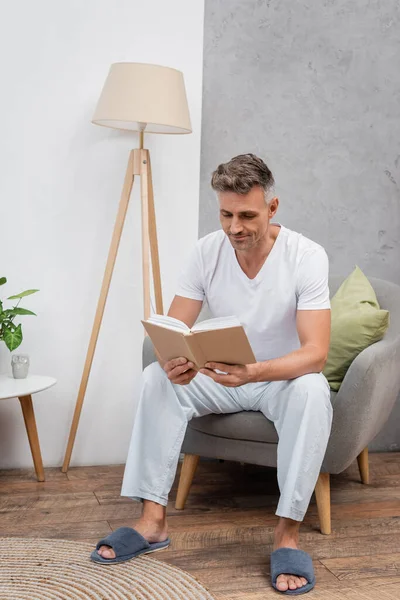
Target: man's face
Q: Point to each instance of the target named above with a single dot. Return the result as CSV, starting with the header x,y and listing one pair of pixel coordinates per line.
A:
x,y
245,218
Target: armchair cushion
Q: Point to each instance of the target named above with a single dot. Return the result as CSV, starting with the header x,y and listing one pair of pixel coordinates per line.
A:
x,y
357,322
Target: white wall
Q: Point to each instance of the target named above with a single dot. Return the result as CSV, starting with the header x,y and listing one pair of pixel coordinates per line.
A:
x,y
59,192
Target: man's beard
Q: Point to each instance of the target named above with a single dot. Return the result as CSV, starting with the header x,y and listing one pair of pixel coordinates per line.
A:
x,y
242,244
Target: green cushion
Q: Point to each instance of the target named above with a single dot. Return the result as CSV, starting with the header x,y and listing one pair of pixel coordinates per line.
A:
x,y
357,322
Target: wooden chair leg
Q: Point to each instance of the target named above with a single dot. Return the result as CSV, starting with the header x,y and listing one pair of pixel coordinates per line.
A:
x,y
323,498
189,467
30,424
363,465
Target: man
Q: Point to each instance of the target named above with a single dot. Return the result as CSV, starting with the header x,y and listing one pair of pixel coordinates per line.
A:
x,y
276,282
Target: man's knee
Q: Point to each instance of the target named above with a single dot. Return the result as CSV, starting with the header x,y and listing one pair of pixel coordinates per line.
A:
x,y
314,390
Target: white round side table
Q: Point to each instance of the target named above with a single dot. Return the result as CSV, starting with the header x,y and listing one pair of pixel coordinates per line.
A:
x,y
23,390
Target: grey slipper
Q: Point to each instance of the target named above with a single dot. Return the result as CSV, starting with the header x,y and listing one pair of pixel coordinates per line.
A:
x,y
295,562
127,543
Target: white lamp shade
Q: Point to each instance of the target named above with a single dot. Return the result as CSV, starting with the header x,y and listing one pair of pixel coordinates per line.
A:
x,y
137,93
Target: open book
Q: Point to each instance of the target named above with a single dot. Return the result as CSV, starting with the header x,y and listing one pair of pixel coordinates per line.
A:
x,y
214,340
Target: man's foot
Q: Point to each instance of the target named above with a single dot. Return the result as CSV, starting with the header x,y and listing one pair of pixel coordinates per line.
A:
x,y
152,531
287,536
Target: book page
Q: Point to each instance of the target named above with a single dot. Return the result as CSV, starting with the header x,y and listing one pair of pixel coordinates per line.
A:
x,y
168,323
217,323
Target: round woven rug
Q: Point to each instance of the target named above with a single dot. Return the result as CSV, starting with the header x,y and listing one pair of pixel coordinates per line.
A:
x,y
36,569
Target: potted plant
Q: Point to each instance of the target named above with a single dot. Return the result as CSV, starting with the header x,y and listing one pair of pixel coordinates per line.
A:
x,y
10,333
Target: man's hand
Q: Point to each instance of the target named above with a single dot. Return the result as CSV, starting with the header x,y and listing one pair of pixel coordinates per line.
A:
x,y
236,375
180,371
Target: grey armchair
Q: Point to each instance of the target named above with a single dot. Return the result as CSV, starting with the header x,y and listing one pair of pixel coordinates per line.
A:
x,y
360,408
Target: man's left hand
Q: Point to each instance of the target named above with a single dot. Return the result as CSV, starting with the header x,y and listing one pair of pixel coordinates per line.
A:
x,y
232,376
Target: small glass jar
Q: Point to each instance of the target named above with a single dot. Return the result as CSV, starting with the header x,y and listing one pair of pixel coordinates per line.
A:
x,y
20,365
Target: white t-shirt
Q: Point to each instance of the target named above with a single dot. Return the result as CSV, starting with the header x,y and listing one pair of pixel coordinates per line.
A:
x,y
293,277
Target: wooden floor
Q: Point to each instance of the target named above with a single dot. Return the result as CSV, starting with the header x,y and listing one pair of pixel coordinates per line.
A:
x,y
224,536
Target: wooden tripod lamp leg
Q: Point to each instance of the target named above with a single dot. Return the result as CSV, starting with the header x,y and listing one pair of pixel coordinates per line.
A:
x,y
119,224
144,195
155,261
149,234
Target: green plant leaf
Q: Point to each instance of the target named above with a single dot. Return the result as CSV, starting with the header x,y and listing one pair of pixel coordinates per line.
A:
x,y
7,323
22,294
3,280
12,338
18,311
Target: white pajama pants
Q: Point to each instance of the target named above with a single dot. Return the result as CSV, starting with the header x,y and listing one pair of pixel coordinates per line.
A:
x,y
300,409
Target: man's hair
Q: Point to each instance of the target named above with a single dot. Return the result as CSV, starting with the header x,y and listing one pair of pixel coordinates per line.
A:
x,y
241,174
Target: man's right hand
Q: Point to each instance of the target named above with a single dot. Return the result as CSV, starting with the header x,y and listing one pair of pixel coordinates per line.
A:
x,y
180,370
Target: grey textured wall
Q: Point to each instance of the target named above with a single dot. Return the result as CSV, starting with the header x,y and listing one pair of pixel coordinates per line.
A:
x,y
314,89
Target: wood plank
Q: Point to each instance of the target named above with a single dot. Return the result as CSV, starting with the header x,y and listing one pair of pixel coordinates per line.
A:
x,y
379,481
261,589
364,493
77,513
356,567
23,503
182,521
81,530
56,487
103,472
247,577
321,548
375,589
255,558
208,494
359,511
367,589
11,475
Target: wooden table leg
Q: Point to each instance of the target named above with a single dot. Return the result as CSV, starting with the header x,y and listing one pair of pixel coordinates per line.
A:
x,y
30,424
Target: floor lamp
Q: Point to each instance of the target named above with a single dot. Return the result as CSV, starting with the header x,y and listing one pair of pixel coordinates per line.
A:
x,y
148,99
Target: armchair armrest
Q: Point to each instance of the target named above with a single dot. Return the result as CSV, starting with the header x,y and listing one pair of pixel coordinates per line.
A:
x,y
148,355
364,402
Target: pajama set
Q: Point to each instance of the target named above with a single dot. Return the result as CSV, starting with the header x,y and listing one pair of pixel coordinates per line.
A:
x,y
294,277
